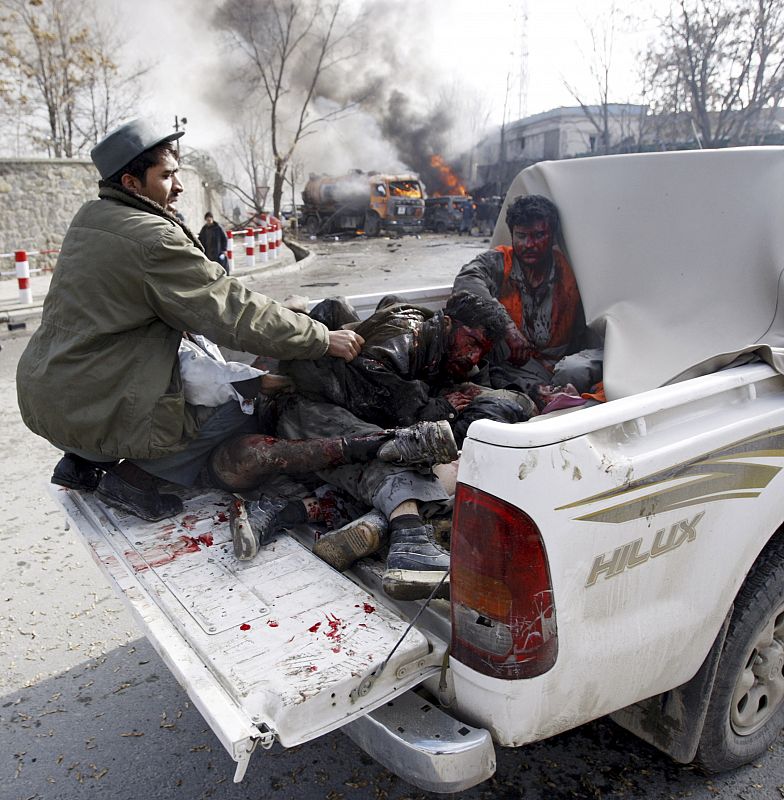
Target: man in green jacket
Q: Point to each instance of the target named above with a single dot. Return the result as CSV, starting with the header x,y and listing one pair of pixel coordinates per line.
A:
x,y
100,378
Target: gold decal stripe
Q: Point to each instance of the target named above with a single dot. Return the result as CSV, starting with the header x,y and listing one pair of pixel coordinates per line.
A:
x,y
714,475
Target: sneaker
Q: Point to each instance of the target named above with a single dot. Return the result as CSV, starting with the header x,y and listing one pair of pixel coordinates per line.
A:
x,y
245,542
253,523
423,443
358,539
75,472
140,498
415,564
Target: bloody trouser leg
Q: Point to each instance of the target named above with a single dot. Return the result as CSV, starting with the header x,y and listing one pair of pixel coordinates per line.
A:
x,y
241,463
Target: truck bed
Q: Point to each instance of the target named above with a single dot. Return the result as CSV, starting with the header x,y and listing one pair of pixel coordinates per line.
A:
x,y
282,647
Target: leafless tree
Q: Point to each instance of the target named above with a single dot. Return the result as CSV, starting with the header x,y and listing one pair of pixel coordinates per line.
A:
x,y
251,163
60,73
613,122
718,68
291,48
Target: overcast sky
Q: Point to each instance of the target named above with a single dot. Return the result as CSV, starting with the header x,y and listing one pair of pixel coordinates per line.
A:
x,y
476,43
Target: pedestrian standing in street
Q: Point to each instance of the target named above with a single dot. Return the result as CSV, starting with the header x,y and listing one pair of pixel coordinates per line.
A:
x,y
466,218
100,379
213,240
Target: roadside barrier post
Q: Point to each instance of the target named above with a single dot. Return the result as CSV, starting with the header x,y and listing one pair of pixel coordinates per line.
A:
x,y
23,277
229,252
274,243
263,256
250,248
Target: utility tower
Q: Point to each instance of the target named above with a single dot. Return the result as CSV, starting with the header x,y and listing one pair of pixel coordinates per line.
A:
x,y
521,24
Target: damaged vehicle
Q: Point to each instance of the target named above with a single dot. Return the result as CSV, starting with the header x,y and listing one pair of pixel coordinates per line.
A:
x,y
361,202
445,213
623,559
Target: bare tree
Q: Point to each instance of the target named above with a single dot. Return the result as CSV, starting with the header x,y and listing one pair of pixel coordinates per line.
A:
x,y
291,46
59,73
251,163
718,68
110,94
613,122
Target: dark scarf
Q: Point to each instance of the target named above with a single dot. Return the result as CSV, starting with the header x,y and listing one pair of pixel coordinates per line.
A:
x,y
113,191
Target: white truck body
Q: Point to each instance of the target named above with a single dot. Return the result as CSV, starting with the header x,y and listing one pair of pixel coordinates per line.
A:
x,y
649,511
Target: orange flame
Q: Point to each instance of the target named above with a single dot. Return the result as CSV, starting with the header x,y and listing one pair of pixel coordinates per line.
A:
x,y
405,189
448,178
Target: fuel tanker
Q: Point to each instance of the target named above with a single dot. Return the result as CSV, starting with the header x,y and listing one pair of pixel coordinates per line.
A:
x,y
366,202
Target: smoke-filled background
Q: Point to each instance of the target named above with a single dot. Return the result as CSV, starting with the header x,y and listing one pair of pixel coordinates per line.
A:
x,y
432,76
442,69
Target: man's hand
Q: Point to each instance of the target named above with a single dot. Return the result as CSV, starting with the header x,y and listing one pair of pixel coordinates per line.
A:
x,y
519,346
344,344
459,400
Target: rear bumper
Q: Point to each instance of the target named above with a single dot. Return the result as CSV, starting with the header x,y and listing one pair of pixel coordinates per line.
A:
x,y
424,746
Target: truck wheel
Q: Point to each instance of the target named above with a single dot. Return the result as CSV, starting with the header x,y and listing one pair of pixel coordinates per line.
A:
x,y
372,224
312,225
746,709
440,227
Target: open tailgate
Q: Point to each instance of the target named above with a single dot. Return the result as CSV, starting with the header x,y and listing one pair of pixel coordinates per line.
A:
x,y
291,647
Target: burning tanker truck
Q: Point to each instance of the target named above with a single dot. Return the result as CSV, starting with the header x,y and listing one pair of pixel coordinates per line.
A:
x,y
363,202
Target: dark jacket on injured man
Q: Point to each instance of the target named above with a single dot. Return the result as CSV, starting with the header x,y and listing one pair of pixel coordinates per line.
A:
x,y
396,378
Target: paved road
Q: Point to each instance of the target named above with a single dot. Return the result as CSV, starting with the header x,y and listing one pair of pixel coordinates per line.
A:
x,y
87,709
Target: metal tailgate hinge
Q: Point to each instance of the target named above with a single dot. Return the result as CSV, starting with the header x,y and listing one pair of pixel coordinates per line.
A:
x,y
244,749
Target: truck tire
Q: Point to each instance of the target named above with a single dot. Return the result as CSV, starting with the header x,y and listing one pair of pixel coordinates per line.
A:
x,y
312,225
372,224
746,709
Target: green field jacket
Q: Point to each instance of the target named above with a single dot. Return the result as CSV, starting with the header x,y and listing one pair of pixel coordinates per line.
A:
x,y
101,374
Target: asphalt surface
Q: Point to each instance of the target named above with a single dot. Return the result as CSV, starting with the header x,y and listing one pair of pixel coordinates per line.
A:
x,y
87,708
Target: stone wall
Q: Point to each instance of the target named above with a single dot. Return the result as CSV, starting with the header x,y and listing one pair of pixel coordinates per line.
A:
x,y
39,197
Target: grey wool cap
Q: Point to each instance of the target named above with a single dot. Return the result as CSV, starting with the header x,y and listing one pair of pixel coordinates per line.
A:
x,y
123,144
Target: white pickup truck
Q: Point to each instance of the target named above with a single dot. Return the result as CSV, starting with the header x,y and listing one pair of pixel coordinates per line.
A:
x,y
623,559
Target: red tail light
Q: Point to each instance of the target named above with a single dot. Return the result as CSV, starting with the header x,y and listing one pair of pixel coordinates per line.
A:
x,y
503,615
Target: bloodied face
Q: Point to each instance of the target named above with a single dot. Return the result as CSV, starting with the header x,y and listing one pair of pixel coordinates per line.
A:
x,y
533,243
466,348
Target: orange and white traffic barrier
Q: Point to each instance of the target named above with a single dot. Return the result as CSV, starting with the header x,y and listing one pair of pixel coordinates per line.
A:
x,y
229,252
250,248
23,277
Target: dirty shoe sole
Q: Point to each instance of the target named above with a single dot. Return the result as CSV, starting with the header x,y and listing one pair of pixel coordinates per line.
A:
x,y
359,539
243,538
406,584
422,443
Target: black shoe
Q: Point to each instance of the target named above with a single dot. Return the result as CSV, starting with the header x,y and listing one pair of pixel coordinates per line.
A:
x,y
253,523
415,564
143,501
422,443
75,472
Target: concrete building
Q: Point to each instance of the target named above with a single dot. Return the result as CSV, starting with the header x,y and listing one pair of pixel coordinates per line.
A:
x,y
559,133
